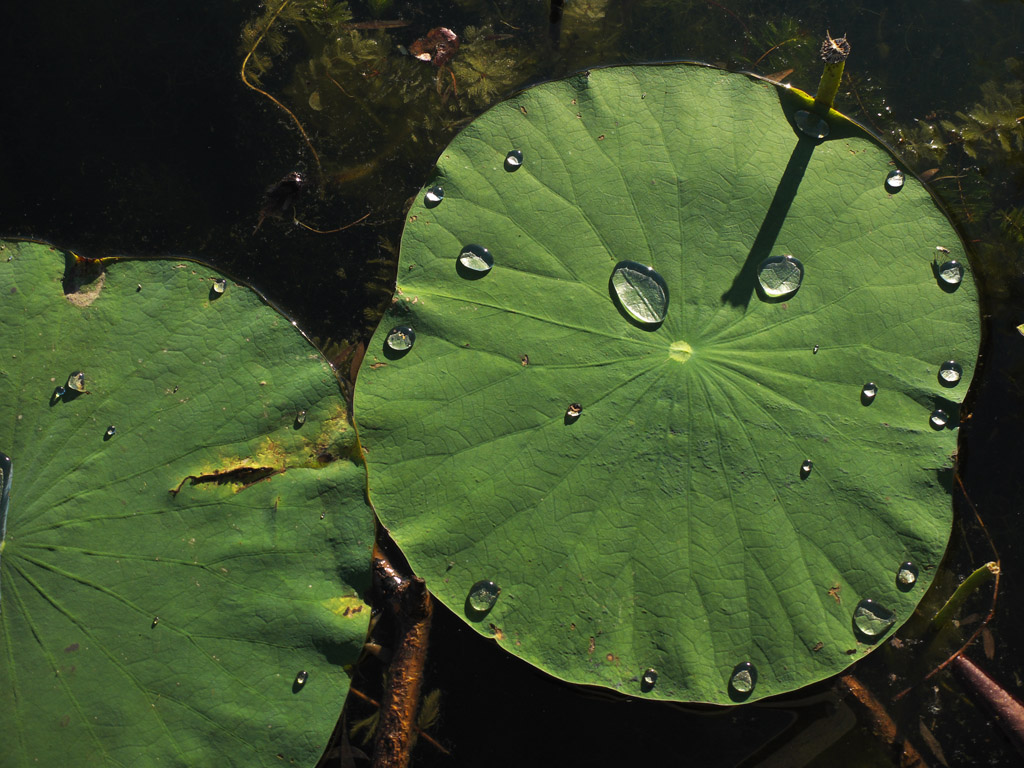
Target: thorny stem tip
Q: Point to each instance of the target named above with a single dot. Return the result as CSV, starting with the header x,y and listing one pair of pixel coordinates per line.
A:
x,y
834,53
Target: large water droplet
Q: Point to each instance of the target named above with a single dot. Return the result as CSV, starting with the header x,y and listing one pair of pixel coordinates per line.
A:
x,y
810,124
743,679
219,286
951,272
648,680
938,419
805,469
76,381
868,393
780,276
513,160
950,373
482,596
401,338
872,619
433,197
894,181
642,292
906,577
476,259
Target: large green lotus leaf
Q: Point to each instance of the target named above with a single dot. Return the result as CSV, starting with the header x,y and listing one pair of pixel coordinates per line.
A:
x,y
670,526
141,627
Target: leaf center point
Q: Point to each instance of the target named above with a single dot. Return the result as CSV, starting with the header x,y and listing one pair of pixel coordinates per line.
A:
x,y
680,350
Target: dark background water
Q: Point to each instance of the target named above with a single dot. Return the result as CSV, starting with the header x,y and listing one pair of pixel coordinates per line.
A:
x,y
127,129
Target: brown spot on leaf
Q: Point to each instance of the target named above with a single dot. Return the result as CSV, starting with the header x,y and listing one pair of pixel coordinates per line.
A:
x,y
71,648
498,634
591,645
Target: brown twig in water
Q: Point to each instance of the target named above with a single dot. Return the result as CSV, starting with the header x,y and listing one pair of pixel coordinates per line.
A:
x,y
331,231
411,605
883,725
291,114
430,739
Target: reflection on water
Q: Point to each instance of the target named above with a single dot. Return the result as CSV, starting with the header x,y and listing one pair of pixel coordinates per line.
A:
x,y
131,131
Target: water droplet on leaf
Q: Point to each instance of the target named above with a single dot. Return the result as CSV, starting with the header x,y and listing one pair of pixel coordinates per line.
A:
x,y
906,576
950,373
401,338
780,276
938,419
642,292
111,431
868,393
951,273
76,381
513,160
301,678
433,197
814,351
648,680
872,619
483,595
573,412
810,124
476,259
805,469
300,418
894,181
219,286
743,679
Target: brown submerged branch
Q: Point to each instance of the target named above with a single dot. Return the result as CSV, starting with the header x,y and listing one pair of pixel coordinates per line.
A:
x,y
410,602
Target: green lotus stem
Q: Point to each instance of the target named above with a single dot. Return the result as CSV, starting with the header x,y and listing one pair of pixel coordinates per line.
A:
x,y
971,585
833,53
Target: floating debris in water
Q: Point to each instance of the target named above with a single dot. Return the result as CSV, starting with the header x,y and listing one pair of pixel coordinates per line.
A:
x,y
280,198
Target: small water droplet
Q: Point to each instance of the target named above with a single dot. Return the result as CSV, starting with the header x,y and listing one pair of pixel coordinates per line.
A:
x,y
401,338
810,124
942,249
513,160
938,419
482,596
58,393
76,381
573,412
642,293
111,431
648,680
894,181
219,286
815,350
323,515
951,272
868,393
156,620
301,678
872,619
743,679
906,576
805,469
300,418
950,373
476,259
433,197
780,276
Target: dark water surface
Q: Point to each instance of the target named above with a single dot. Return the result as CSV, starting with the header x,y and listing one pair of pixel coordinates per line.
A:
x,y
127,130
